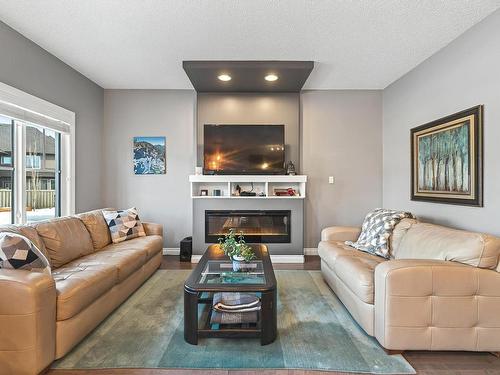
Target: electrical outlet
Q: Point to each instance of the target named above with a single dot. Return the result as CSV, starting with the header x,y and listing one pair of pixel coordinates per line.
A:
x,y
331,180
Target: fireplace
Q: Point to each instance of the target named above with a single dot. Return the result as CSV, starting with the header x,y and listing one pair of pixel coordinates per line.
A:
x,y
258,226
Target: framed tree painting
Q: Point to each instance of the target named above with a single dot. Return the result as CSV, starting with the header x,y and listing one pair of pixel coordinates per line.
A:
x,y
447,159
149,155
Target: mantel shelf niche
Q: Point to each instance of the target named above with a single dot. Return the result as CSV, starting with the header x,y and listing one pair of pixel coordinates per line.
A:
x,y
263,185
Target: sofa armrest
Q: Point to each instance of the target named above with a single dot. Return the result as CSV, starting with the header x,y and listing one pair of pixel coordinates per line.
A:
x,y
340,234
436,305
28,321
153,228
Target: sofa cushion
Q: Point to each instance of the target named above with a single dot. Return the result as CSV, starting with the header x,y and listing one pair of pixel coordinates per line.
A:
x,y
28,232
65,239
398,233
126,261
329,251
97,227
124,224
151,244
429,241
357,273
80,283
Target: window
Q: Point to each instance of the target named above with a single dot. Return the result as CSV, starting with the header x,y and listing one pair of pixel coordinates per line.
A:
x,y
42,174
41,191
6,170
37,163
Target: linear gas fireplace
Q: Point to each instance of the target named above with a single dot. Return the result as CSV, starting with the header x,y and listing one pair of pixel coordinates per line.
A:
x,y
258,226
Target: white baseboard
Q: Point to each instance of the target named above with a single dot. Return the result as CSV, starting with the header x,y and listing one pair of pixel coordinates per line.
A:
x,y
287,258
274,258
195,258
310,251
171,251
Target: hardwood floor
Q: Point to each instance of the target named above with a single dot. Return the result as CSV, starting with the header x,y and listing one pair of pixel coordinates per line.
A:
x,y
426,363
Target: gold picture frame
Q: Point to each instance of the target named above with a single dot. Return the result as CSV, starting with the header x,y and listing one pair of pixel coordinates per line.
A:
x,y
447,159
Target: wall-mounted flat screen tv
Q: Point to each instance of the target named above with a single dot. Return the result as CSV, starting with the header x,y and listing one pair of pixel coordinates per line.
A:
x,y
244,149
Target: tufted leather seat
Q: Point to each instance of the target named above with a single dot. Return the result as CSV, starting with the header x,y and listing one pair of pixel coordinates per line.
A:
x,y
150,244
356,272
81,282
354,268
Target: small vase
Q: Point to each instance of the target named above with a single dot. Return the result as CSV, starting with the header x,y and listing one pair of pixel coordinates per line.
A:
x,y
238,263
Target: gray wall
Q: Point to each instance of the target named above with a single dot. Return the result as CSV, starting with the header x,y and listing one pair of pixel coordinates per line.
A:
x,y
341,137
463,74
29,68
244,108
160,198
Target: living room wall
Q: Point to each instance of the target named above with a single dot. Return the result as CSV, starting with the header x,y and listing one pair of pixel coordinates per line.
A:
x,y
461,75
341,136
27,67
159,198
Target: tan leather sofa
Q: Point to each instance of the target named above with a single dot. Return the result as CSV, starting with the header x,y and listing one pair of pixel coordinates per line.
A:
x,y
43,317
441,290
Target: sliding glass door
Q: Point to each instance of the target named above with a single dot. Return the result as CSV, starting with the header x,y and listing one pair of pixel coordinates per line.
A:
x,y
30,170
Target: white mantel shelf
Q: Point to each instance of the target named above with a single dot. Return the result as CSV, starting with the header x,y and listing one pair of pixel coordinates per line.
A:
x,y
262,183
247,178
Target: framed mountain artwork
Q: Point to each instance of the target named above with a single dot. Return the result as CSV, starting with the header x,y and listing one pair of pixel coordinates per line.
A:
x,y
447,159
150,155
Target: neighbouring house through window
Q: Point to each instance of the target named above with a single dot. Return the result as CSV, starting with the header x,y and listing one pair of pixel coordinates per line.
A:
x,y
36,158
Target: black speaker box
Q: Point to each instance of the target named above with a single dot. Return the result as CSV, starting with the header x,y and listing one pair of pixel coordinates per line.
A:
x,y
186,249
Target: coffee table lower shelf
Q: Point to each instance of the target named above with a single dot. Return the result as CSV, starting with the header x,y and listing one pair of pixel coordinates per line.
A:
x,y
265,327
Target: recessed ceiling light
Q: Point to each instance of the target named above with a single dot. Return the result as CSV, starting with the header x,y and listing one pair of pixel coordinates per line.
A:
x,y
271,77
224,77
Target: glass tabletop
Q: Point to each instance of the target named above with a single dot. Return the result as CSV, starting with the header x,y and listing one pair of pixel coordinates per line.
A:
x,y
223,272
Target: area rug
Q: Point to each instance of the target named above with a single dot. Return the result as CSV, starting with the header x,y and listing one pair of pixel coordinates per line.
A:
x,y
315,331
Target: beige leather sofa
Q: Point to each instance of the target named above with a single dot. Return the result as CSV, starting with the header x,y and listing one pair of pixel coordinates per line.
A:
x,y
43,317
440,292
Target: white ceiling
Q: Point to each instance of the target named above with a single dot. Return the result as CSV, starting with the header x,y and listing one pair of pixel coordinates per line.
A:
x,y
141,43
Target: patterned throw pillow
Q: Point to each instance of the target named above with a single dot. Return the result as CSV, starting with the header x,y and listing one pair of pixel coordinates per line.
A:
x,y
124,224
376,230
18,252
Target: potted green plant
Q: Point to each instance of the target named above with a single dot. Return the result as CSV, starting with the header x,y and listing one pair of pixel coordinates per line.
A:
x,y
234,247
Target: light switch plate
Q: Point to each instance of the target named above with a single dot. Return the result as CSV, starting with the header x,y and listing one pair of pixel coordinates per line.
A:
x,y
331,180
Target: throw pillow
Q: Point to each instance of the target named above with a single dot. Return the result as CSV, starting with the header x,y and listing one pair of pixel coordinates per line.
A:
x,y
18,252
124,224
376,230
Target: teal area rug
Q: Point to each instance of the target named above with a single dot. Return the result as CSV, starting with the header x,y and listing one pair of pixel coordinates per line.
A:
x,y
315,331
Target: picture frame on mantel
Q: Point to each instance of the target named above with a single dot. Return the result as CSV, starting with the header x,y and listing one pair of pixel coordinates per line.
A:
x,y
447,159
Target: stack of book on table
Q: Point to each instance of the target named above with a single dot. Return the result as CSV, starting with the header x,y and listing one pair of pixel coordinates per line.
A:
x,y
235,308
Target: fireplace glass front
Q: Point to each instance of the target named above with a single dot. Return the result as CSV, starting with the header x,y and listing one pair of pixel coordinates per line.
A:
x,y
270,226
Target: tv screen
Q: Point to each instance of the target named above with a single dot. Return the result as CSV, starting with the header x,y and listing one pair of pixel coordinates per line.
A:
x,y
244,149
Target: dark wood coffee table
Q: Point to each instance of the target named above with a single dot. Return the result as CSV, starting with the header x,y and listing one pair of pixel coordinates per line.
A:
x,y
214,274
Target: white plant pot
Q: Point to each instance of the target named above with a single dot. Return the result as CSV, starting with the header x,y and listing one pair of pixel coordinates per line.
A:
x,y
238,263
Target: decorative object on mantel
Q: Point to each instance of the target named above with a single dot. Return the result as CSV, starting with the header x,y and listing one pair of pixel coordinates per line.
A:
x,y
290,169
150,155
198,171
447,159
236,249
288,192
